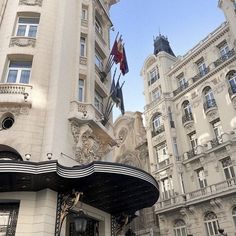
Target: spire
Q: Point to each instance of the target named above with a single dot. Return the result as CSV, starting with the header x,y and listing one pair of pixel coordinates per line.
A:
x,y
161,44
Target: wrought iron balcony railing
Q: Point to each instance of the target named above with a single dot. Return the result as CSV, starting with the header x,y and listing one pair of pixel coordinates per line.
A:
x,y
159,130
181,88
209,104
191,153
187,117
216,142
224,58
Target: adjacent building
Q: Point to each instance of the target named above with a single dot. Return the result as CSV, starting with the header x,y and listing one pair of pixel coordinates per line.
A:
x,y
55,145
190,115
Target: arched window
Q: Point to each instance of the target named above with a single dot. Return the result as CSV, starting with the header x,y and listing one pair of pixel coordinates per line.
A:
x,y
231,76
234,216
209,100
211,223
180,228
187,112
156,122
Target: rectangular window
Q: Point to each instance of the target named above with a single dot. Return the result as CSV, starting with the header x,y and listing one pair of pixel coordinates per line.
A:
x,y
162,153
201,178
167,187
156,94
228,170
193,141
84,13
218,130
202,68
27,26
98,101
81,90
82,46
98,26
153,76
224,51
19,72
98,61
182,82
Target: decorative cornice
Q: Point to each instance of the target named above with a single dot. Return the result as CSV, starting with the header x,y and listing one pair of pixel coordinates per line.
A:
x,y
31,2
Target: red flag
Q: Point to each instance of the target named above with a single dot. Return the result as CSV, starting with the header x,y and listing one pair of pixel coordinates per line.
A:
x,y
124,64
117,51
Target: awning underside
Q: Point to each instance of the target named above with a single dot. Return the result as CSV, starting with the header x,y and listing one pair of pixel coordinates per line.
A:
x,y
111,187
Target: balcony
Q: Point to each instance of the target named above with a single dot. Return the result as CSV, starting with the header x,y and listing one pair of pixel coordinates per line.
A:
x,y
200,74
187,118
224,58
216,190
158,131
191,153
181,88
15,94
164,163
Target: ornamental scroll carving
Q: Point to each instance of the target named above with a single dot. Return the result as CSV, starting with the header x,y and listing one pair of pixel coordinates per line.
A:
x,y
22,42
31,2
88,147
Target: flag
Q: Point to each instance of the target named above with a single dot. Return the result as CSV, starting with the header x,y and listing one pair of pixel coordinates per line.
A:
x,y
120,100
117,51
124,64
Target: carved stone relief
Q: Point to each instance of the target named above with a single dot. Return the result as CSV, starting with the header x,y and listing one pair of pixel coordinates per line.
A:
x,y
31,2
22,42
88,147
212,115
189,128
16,110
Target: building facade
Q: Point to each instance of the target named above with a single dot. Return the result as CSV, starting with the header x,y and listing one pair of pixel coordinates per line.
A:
x,y
191,131
54,142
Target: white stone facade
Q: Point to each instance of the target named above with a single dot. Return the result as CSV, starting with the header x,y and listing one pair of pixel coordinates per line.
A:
x,y
190,116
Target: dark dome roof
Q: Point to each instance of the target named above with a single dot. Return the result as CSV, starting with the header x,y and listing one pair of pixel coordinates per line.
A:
x,y
161,44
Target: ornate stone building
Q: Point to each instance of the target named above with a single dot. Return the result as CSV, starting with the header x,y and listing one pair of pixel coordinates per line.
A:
x,y
54,142
191,131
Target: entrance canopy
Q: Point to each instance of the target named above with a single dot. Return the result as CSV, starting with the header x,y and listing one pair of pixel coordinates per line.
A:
x,y
111,187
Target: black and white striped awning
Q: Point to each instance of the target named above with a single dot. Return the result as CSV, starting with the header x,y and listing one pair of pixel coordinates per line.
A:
x,y
111,187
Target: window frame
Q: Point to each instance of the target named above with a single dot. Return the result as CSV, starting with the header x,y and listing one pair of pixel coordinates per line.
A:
x,y
81,90
27,26
167,187
19,70
83,46
201,177
98,101
211,224
180,228
98,26
99,63
217,130
228,168
162,152
193,141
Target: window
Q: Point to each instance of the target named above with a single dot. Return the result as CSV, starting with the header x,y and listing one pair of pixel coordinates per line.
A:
x,y
156,122
234,216
27,26
8,219
193,141
187,109
84,13
167,188
98,26
202,68
98,101
218,130
81,90
98,61
82,46
201,178
182,82
162,153
231,76
19,72
156,94
180,228
224,50
153,76
228,170
209,100
211,223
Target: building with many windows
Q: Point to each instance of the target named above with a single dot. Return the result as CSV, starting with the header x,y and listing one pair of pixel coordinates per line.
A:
x,y
190,115
55,146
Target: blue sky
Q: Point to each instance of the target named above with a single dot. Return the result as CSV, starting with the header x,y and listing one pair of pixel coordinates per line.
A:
x,y
184,22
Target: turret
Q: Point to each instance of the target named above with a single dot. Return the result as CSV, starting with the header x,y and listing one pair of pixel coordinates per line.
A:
x,y
161,44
